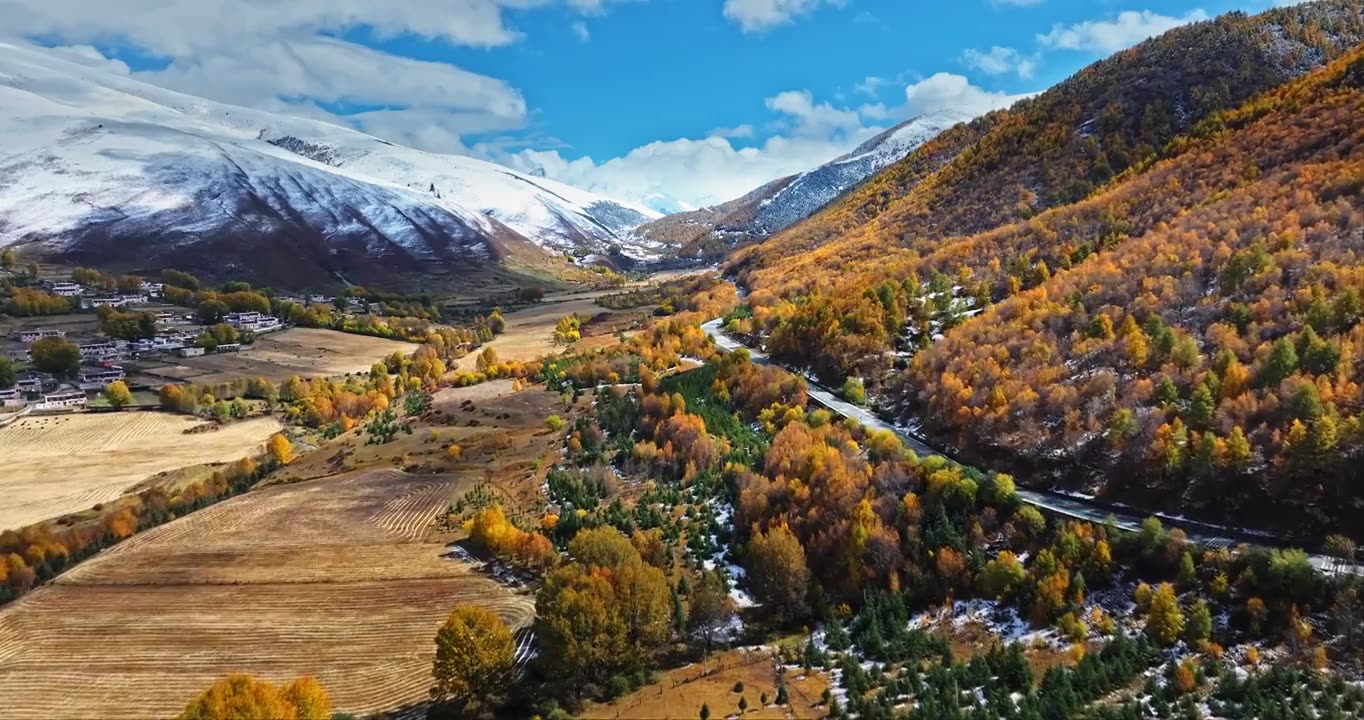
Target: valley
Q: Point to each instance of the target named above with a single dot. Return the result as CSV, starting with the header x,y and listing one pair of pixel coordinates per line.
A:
x,y
940,395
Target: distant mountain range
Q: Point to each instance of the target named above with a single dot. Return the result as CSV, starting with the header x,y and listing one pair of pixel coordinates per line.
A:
x,y
784,202
100,168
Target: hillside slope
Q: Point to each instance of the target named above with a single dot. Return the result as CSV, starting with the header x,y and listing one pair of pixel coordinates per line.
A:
x,y
1185,337
104,169
1208,361
779,204
1058,147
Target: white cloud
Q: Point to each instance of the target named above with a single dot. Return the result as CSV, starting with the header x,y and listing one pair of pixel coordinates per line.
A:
x,y
669,175
285,56
760,15
946,91
739,131
581,32
1109,36
1000,61
871,85
1016,3
811,119
92,57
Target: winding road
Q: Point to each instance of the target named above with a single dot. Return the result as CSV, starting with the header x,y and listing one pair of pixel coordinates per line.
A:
x,y
1204,534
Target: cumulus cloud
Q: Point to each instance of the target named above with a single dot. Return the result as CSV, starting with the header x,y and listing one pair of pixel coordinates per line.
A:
x,y
1109,36
285,56
947,91
760,15
1000,61
675,174
813,119
92,57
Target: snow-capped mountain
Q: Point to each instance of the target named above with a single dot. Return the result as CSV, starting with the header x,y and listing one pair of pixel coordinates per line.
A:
x,y
784,202
813,190
97,166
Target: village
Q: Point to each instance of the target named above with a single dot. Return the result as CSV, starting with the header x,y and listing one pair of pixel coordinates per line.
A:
x,y
104,360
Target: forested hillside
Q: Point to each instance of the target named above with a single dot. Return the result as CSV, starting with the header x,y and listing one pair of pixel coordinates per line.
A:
x,y
1056,148
1184,336
1210,358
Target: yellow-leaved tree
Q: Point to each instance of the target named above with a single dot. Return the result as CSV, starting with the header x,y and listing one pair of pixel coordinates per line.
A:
x,y
242,697
281,449
118,394
475,655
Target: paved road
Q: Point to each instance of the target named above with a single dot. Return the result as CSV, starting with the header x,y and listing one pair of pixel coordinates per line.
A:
x,y
1204,534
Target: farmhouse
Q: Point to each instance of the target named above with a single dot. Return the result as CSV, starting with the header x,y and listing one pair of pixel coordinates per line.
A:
x,y
99,378
21,355
230,347
36,334
190,352
152,289
61,399
104,350
11,397
164,343
32,382
236,319
253,321
66,289
265,324
111,301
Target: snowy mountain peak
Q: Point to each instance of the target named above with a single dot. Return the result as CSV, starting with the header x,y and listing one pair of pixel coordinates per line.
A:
x,y
784,202
101,167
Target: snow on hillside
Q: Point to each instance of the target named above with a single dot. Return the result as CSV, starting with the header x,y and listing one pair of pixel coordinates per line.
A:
x,y
815,189
784,202
93,160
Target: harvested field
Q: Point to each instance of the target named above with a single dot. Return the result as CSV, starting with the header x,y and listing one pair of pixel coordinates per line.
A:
x,y
306,352
680,693
343,577
329,578
530,332
58,464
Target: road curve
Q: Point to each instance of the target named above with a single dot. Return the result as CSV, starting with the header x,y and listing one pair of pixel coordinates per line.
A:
x,y
1204,534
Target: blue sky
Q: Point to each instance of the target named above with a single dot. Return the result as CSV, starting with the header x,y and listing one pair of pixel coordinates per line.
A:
x,y
672,102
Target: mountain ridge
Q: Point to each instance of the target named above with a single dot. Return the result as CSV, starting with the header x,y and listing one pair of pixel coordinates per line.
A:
x,y
95,158
780,203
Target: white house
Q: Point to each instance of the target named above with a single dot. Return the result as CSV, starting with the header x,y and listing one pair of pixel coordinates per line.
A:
x,y
230,347
61,399
29,336
266,323
111,301
99,378
66,289
30,382
190,352
11,397
237,319
152,289
105,350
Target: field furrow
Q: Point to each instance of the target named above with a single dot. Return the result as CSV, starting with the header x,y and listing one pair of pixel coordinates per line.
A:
x,y
326,578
